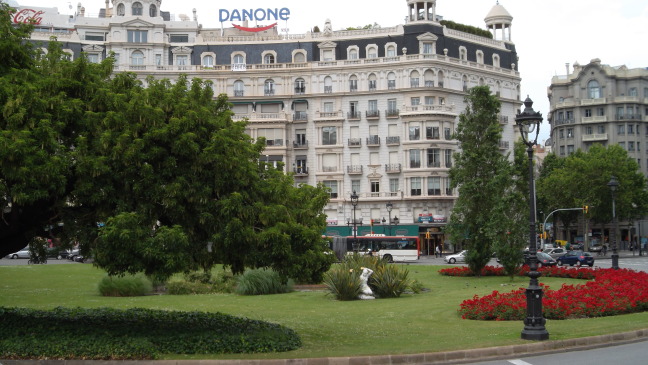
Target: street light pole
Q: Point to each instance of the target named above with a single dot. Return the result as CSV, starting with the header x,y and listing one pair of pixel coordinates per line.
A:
x,y
534,324
614,184
389,206
354,202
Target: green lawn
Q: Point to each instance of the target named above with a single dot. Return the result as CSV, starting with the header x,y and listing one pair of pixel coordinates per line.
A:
x,y
426,322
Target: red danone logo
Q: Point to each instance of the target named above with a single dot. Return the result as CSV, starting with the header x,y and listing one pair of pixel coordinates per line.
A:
x,y
28,16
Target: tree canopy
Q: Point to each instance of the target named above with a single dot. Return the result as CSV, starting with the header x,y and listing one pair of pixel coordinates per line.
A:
x,y
156,178
487,214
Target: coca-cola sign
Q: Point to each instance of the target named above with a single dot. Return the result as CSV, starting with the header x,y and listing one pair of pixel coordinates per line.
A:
x,y
28,16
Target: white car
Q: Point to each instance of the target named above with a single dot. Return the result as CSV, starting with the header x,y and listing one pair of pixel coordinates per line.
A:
x,y
458,257
22,254
555,252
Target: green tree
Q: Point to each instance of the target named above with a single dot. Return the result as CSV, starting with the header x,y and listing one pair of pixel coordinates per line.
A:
x,y
481,214
581,179
174,183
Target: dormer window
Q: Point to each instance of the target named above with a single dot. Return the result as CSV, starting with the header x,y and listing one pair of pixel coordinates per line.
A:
x,y
153,11
137,8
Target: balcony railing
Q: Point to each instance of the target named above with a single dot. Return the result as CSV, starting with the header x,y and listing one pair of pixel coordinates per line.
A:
x,y
392,140
300,115
302,171
268,92
329,168
373,141
300,144
354,169
355,142
239,92
391,168
595,137
274,142
328,89
373,114
392,113
300,90
353,115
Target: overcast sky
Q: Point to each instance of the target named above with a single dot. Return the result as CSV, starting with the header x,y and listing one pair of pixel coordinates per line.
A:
x,y
547,33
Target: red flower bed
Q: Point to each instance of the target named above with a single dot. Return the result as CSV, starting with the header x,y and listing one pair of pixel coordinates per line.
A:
x,y
611,292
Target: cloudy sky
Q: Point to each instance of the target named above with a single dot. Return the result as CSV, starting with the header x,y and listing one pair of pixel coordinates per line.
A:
x,y
547,33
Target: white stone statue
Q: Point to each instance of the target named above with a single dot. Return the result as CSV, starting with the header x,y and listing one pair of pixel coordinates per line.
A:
x,y
366,292
328,29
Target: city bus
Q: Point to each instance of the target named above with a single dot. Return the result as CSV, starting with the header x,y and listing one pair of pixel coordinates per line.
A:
x,y
390,248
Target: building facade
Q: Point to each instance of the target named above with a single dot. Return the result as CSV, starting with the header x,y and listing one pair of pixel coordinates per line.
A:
x,y
369,110
597,103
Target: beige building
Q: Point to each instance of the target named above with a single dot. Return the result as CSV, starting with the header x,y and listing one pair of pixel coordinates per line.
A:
x,y
370,110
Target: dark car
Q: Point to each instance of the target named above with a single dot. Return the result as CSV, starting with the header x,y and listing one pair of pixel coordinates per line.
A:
x,y
543,259
57,253
577,258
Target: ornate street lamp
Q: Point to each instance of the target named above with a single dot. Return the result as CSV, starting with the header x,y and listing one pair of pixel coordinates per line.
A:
x,y
354,202
534,324
614,184
389,206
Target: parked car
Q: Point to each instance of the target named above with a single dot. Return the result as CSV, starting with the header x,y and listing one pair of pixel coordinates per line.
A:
x,y
22,254
577,258
543,259
459,257
72,254
596,247
555,252
57,253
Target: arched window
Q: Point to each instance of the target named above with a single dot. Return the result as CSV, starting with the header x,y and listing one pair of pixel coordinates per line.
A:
x,y
269,58
353,54
208,61
414,79
372,52
373,82
353,83
239,88
268,87
152,11
239,59
137,58
496,60
328,85
464,83
300,86
121,10
299,57
391,81
440,78
594,89
137,8
391,51
480,57
463,53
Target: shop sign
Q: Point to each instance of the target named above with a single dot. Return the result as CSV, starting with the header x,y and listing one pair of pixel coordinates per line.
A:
x,y
28,16
332,222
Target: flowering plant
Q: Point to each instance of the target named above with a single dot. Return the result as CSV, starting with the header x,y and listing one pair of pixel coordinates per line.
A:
x,y
609,292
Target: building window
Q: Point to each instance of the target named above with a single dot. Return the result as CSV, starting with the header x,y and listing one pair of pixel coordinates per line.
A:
x,y
570,132
428,48
630,129
594,89
632,91
299,57
415,185
268,88
570,149
182,60
137,8
431,132
415,158
414,133
588,113
353,84
375,187
208,61
355,185
300,86
137,58
600,129
92,57
433,158
434,185
600,111
329,135
447,133
415,101
333,188
152,11
372,52
631,146
353,54
561,133
448,158
570,115
622,145
562,150
391,51
391,107
589,130
239,88
179,38
268,58
137,36
239,61
394,186
621,129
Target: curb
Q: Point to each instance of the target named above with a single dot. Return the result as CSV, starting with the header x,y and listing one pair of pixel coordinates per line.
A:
x,y
449,357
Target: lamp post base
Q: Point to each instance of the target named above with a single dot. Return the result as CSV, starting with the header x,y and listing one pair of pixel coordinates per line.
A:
x,y
615,261
534,334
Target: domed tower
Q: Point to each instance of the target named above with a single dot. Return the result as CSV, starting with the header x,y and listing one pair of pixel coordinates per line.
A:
x,y
499,19
421,10
143,8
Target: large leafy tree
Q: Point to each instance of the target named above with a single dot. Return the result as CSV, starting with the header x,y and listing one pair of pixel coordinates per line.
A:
x,y
581,179
485,214
156,179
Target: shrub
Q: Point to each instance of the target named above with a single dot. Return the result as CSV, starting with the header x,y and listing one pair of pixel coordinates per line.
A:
x,y
188,287
125,286
137,333
201,282
389,281
260,282
343,283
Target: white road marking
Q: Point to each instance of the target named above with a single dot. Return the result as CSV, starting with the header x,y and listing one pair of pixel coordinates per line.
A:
x,y
518,362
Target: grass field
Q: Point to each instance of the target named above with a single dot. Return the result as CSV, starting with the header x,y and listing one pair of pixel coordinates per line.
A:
x,y
426,322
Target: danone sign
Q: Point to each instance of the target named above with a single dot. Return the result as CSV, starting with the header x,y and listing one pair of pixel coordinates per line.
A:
x,y
259,14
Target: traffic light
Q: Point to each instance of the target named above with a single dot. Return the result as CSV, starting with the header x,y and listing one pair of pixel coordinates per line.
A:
x,y
585,208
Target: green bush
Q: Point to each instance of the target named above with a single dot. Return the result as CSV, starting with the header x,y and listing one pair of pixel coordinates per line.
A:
x,y
125,286
389,281
111,334
260,282
188,287
343,283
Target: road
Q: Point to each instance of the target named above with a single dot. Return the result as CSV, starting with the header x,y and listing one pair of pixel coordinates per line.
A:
x,y
633,353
